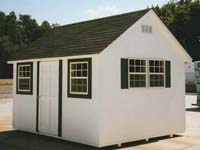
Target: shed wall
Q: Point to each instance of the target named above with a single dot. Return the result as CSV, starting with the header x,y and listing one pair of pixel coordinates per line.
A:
x,y
140,113
79,116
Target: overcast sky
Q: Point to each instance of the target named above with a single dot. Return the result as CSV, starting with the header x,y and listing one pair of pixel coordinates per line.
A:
x,y
70,11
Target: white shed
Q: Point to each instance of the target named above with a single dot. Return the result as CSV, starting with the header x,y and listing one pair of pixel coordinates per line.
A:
x,y
102,82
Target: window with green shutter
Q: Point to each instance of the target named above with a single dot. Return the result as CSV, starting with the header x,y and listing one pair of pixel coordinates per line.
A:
x,y
134,73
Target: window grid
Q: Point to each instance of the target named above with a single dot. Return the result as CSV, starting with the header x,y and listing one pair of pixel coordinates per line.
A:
x,y
156,73
24,78
150,73
137,73
79,78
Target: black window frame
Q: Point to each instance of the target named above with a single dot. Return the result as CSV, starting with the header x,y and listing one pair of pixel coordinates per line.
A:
x,y
18,91
89,77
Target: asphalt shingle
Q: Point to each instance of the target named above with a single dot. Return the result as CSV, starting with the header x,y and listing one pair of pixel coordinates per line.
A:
x,y
89,37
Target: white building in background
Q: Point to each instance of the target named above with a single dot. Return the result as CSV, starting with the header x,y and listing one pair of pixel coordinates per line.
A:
x,y
189,72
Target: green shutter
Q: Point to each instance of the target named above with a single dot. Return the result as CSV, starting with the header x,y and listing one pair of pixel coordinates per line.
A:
x,y
124,73
167,74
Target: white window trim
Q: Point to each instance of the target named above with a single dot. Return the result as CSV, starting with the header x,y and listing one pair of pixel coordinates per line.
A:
x,y
70,77
147,73
22,90
129,73
154,73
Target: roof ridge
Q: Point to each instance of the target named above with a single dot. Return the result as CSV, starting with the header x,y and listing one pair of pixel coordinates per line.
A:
x,y
118,15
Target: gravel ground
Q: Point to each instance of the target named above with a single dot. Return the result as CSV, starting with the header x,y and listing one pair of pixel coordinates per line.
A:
x,y
15,140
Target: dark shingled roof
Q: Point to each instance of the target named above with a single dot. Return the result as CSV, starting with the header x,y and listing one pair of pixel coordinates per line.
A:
x,y
89,37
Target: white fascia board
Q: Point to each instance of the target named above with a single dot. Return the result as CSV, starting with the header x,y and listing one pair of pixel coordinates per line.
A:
x,y
52,58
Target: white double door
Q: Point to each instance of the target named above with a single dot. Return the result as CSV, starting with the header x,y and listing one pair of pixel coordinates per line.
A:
x,y
48,97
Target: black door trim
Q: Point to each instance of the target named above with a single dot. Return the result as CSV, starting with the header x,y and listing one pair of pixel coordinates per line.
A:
x,y
60,99
37,98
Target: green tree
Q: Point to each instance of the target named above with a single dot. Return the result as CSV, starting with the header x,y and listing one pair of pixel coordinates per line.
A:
x,y
2,23
16,33
29,28
183,19
6,48
44,28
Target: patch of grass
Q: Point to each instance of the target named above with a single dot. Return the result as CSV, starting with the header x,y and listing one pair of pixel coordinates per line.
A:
x,y
6,82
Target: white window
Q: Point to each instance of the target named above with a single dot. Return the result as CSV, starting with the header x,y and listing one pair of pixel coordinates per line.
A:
x,y
157,73
137,73
79,77
24,78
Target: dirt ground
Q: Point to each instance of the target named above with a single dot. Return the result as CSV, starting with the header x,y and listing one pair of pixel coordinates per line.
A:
x,y
17,140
